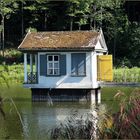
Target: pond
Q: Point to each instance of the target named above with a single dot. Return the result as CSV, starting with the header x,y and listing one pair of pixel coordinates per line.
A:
x,y
38,118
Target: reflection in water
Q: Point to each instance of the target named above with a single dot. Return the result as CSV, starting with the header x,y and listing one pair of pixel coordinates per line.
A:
x,y
42,117
38,118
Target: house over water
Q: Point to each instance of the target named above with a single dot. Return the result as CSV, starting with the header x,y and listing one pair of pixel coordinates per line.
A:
x,y
66,65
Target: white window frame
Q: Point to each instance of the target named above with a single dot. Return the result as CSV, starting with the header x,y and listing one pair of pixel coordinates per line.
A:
x,y
53,62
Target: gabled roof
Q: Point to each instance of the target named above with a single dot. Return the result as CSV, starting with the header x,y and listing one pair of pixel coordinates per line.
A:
x,y
62,40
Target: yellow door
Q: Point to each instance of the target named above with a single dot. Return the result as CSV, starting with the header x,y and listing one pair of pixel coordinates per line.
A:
x,y
105,68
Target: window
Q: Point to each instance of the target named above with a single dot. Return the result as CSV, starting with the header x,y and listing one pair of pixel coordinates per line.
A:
x,y
53,65
78,64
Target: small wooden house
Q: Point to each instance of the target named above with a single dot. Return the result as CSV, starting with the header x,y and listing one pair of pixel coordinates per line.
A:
x,y
65,65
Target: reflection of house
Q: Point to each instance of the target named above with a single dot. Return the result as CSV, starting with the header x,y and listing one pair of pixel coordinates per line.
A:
x,y
65,62
41,118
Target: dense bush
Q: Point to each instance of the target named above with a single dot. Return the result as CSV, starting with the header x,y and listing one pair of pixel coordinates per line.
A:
x,y
11,74
11,56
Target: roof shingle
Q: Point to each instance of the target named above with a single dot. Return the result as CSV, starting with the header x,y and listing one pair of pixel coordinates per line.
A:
x,y
59,40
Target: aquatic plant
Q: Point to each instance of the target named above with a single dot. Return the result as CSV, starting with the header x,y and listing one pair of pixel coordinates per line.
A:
x,y
90,125
75,127
126,122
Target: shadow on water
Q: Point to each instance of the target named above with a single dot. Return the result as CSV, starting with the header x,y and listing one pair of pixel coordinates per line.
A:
x,y
39,117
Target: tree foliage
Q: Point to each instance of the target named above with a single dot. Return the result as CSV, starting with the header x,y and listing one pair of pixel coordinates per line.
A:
x,y
122,36
6,8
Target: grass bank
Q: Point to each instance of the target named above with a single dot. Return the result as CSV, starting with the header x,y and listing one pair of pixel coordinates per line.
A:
x,y
15,73
127,74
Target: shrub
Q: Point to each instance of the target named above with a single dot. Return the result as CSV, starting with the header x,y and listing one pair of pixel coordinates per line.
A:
x,y
11,56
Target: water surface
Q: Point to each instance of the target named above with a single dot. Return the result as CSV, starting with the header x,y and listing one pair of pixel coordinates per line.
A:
x,y
38,118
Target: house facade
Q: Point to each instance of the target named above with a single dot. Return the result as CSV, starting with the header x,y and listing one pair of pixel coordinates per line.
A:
x,y
61,64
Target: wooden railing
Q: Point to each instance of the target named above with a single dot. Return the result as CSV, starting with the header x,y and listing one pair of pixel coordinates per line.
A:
x,y
32,78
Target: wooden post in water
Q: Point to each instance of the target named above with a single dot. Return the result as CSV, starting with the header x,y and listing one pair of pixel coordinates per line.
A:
x,y
95,96
99,96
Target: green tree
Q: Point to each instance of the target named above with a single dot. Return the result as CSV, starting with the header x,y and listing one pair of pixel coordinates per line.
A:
x,y
114,23
34,7
130,44
77,11
6,8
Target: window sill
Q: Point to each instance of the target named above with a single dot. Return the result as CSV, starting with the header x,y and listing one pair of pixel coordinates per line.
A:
x,y
78,75
53,75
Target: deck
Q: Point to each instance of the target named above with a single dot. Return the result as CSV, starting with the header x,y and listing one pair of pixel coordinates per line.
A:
x,y
121,84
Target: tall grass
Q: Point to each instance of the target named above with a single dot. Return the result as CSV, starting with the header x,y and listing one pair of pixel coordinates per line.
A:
x,y
127,120
124,124
12,73
127,74
76,128
90,126
3,75
15,74
1,109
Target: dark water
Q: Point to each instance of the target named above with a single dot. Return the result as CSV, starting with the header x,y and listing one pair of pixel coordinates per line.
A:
x,y
38,118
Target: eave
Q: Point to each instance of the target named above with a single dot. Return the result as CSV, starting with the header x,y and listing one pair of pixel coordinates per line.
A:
x,y
56,49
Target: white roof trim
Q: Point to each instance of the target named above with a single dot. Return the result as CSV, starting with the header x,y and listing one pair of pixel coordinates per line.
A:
x,y
102,40
24,39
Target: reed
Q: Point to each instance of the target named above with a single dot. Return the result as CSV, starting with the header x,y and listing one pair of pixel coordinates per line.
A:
x,y
124,124
127,120
89,126
10,99
75,128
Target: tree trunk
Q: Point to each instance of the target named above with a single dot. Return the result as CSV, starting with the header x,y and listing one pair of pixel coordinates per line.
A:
x,y
91,20
71,24
79,27
45,20
22,22
0,41
114,47
94,24
3,36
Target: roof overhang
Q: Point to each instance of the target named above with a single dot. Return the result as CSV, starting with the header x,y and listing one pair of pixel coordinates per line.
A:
x,y
56,49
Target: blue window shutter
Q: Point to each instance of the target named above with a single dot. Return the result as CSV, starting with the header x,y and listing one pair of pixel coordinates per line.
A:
x,y
63,65
78,64
43,65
